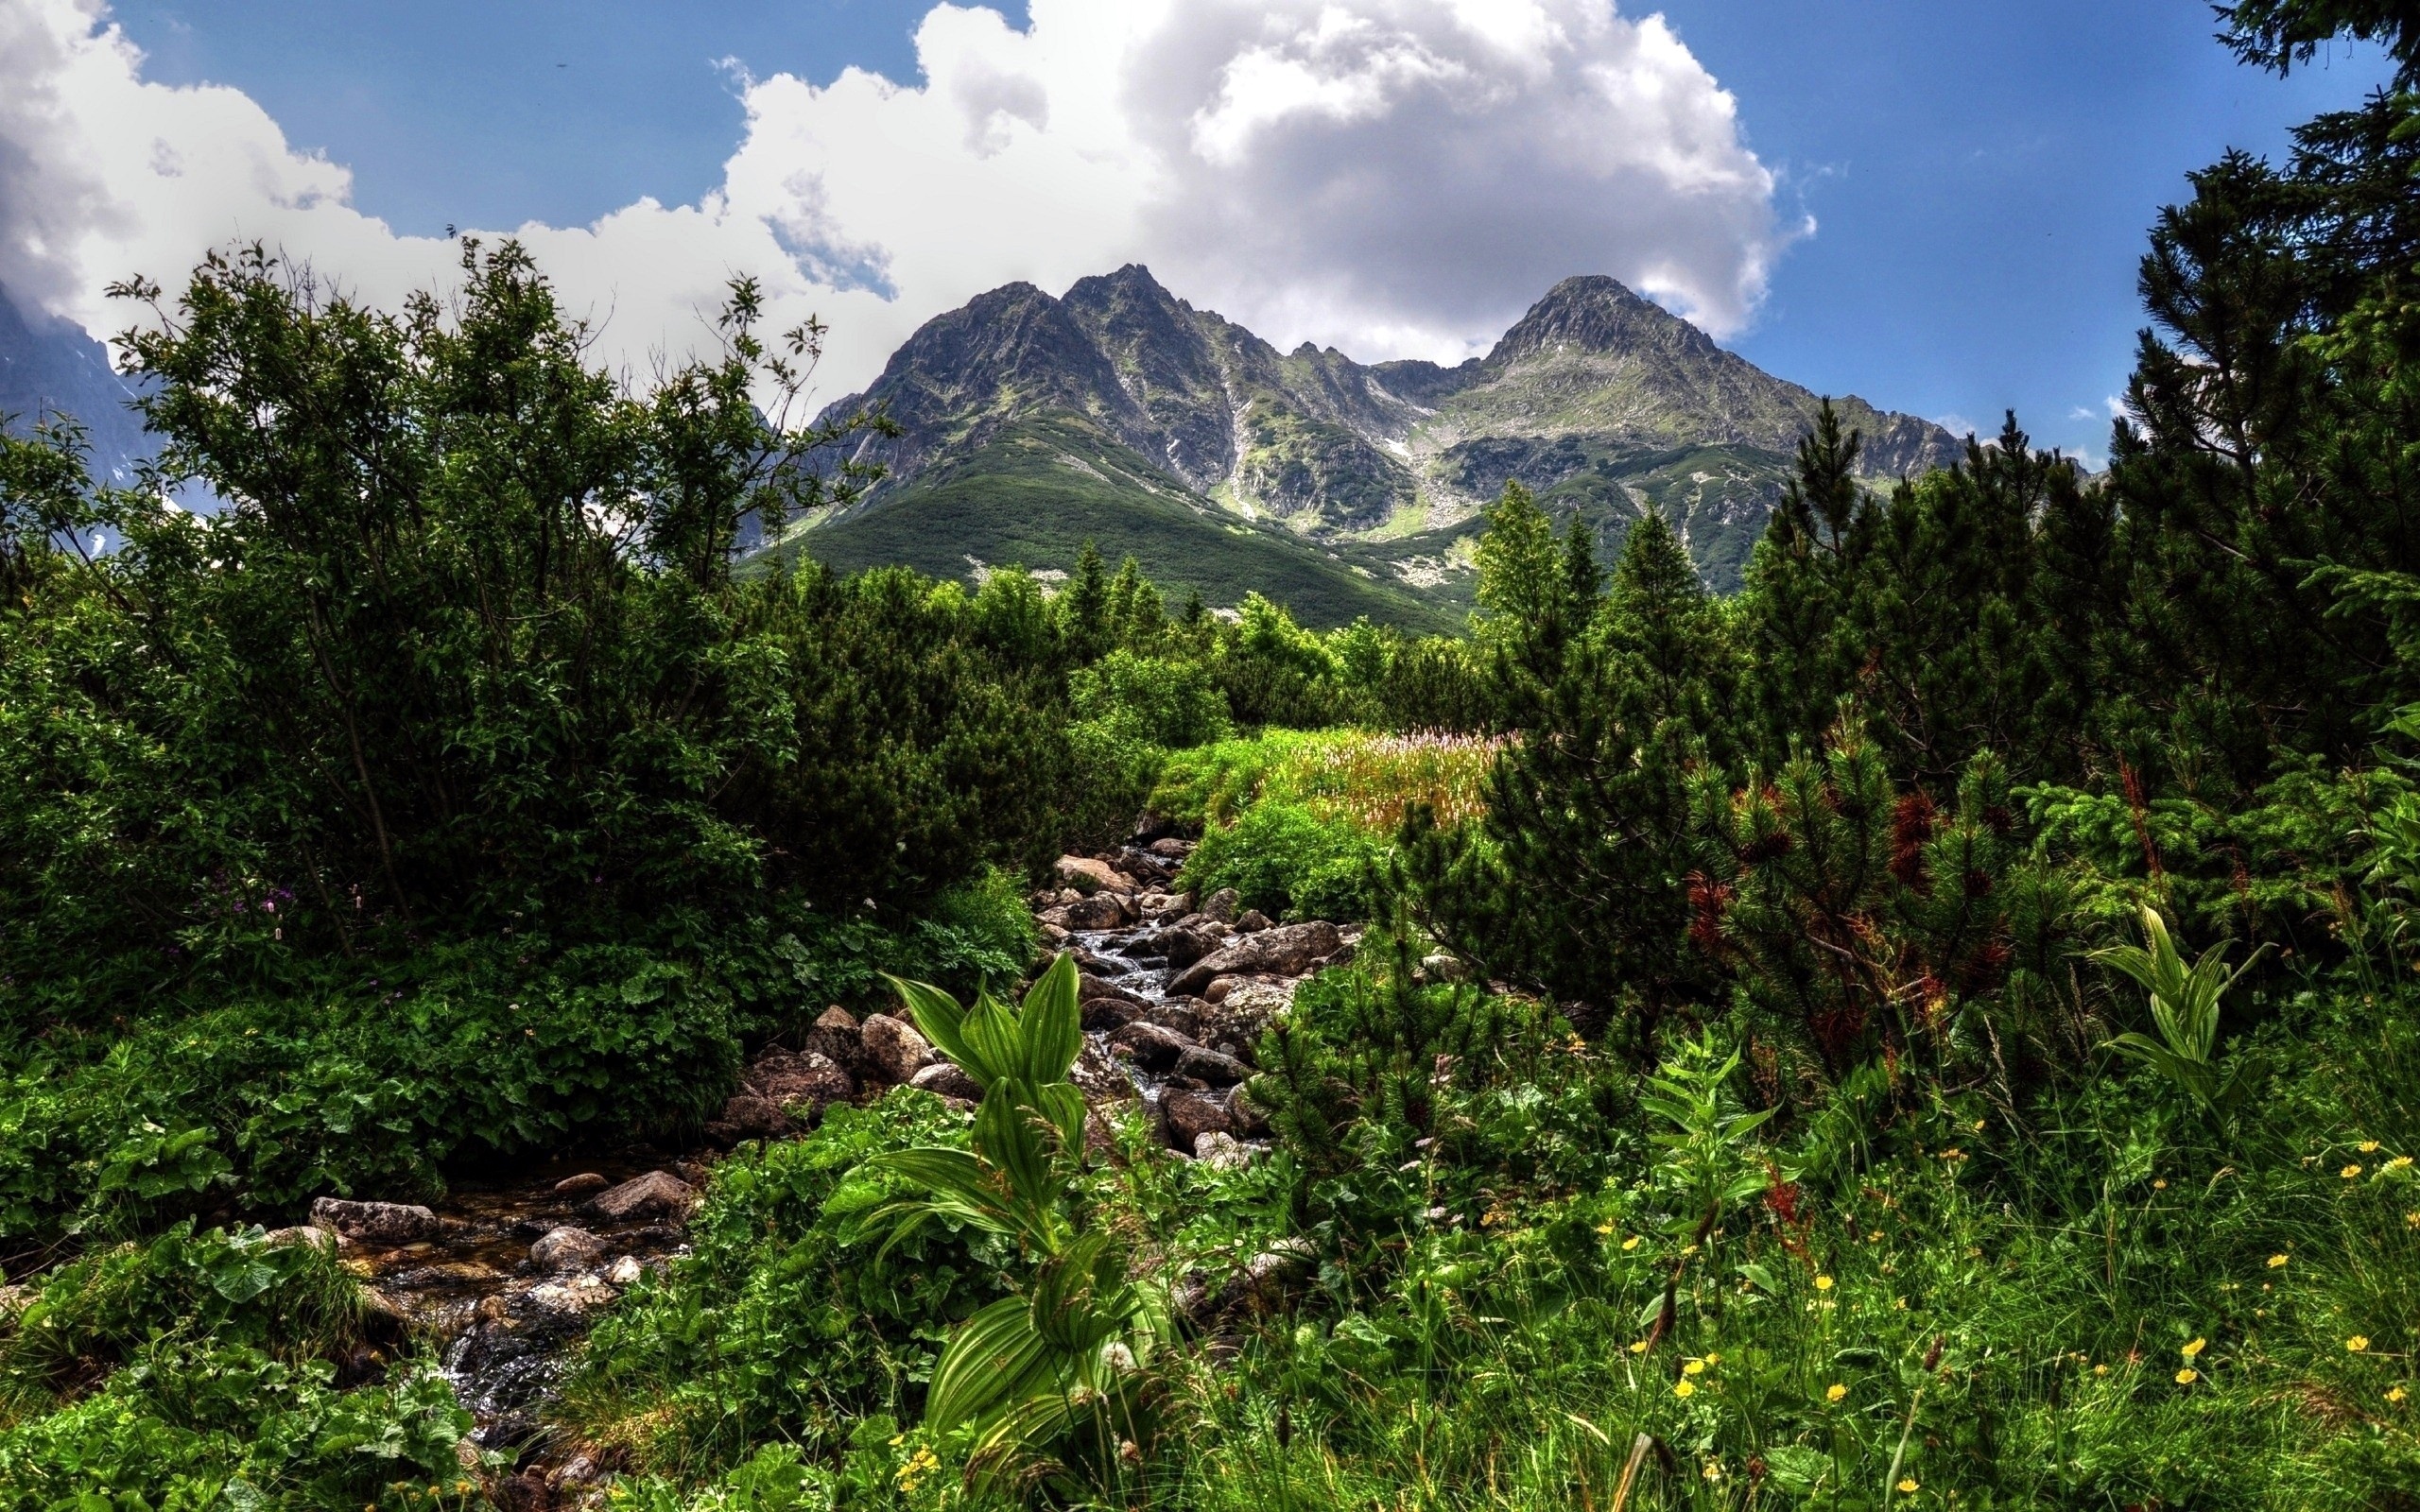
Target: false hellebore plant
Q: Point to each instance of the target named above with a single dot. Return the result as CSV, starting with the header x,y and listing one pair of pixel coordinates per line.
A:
x,y
1060,1368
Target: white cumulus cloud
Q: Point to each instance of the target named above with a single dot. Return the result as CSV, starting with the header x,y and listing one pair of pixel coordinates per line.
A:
x,y
1392,177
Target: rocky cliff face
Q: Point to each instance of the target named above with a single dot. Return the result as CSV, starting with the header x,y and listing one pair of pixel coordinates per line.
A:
x,y
50,367
1596,392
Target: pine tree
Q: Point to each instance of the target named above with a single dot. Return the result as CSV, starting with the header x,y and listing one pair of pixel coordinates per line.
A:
x,y
1085,632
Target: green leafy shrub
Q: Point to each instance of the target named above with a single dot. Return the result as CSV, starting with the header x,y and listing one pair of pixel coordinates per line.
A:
x,y
267,1105
1287,862
192,1372
1160,701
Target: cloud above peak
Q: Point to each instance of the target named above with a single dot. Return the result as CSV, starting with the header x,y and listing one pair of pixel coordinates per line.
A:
x,y
1392,177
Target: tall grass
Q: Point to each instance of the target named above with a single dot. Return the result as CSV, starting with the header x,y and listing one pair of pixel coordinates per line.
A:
x,y
1295,821
1346,775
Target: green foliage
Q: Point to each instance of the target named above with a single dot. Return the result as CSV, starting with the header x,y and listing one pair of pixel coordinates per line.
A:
x,y
2184,1009
1857,917
192,1372
1163,701
1287,862
1296,823
1061,1369
367,1090
777,1325
1572,883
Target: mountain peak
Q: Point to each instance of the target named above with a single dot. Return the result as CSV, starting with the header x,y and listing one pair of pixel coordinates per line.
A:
x,y
1592,313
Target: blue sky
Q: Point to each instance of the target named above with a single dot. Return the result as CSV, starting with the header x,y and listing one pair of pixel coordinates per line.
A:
x,y
1982,174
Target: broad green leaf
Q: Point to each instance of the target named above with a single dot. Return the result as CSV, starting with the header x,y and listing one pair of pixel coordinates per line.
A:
x,y
1052,1025
988,1362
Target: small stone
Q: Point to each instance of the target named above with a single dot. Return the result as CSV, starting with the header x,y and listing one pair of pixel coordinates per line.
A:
x,y
1184,1015
658,1195
1285,951
946,1078
1223,905
301,1234
1102,1015
375,1223
493,1309
1444,968
580,1185
626,1271
1252,923
834,1036
566,1248
1172,848
894,1051
572,1297
1099,1078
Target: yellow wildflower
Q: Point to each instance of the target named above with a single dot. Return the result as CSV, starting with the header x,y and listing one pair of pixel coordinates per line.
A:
x,y
2160,1185
1641,1348
1823,1283
2276,1260
2396,1394
1686,1389
2101,1369
1631,1242
1835,1392
2188,1376
2397,1163
1695,1368
2369,1146
1908,1486
2193,1350
2350,1171
2358,1343
1604,1228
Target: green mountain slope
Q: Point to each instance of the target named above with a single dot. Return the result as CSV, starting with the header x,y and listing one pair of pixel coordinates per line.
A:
x,y
1372,476
1038,489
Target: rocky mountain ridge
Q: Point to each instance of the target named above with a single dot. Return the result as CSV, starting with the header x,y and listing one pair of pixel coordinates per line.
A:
x,y
1602,401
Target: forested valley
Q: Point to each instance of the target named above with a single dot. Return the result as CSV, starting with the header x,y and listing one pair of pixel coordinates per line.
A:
x,y
506,1001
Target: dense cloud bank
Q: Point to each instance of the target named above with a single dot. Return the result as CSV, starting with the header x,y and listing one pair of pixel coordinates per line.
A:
x,y
1394,177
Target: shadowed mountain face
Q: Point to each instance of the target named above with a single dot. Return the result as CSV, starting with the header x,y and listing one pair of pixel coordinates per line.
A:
x,y
49,368
1602,401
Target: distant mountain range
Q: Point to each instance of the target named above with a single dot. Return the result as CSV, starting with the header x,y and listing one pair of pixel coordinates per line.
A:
x,y
49,367
1121,414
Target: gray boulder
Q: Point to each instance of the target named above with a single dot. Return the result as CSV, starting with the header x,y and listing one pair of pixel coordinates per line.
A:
x,y
1223,905
375,1223
1103,910
894,1051
946,1078
657,1196
1288,950
1191,1115
1149,1045
1212,1067
561,1249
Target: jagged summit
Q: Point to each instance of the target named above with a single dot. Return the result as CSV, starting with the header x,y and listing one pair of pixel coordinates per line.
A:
x,y
1597,315
1602,401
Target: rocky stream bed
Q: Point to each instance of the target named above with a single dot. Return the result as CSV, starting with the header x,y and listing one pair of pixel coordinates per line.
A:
x,y
502,1277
